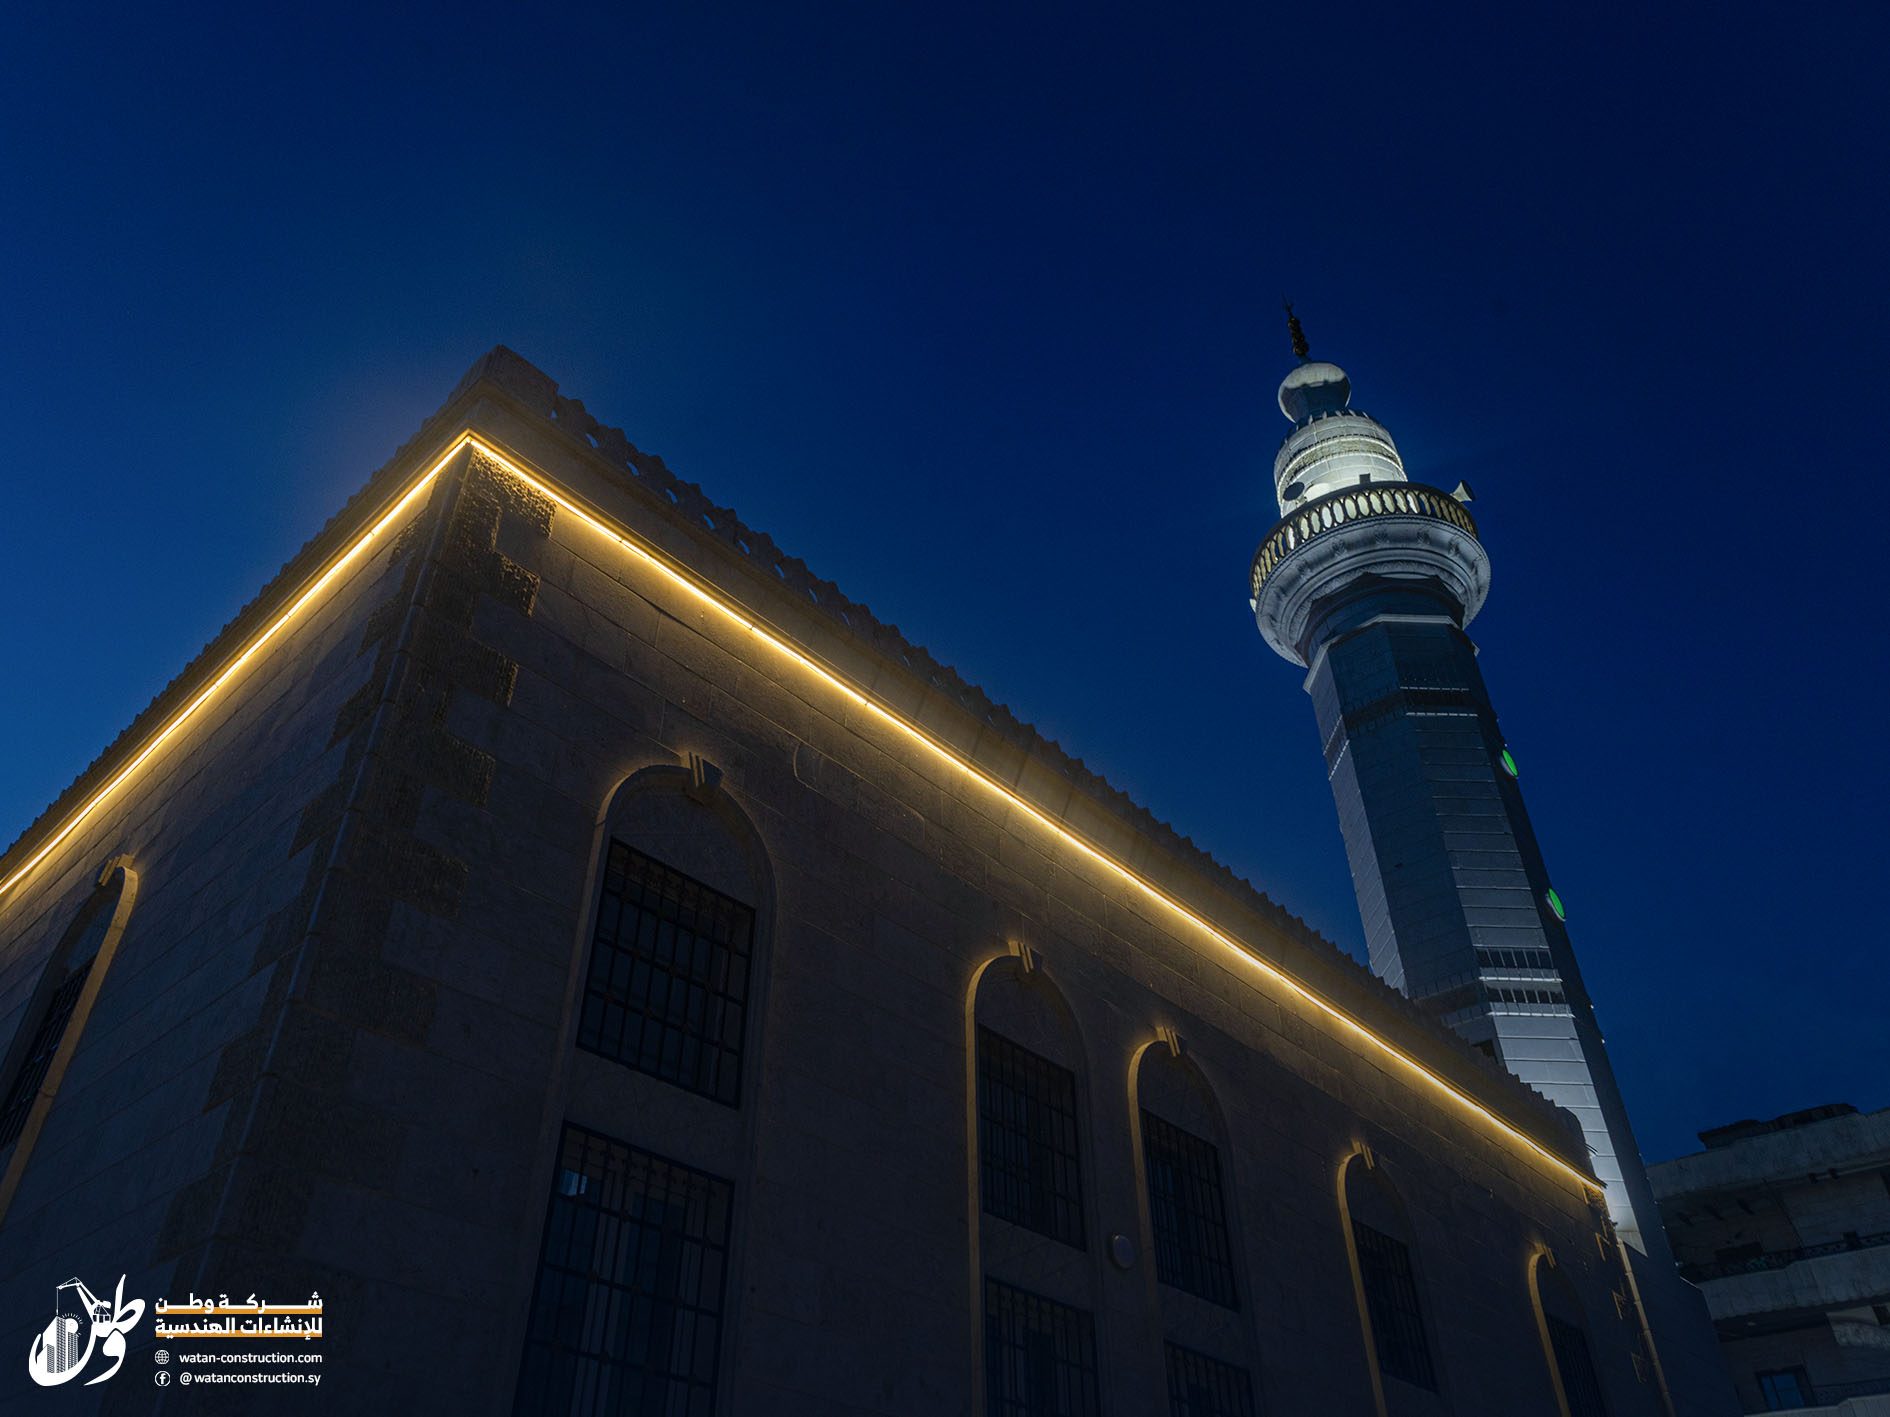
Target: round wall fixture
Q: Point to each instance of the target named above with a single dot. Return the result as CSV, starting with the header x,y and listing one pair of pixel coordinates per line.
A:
x,y
1555,904
1122,1251
1509,764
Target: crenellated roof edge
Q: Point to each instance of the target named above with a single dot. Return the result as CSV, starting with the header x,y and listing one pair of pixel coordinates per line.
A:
x,y
531,389
685,501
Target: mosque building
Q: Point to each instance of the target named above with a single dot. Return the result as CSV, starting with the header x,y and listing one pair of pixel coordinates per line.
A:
x,y
621,974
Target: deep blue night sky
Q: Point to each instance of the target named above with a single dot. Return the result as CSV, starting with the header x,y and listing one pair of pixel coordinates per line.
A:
x,y
978,311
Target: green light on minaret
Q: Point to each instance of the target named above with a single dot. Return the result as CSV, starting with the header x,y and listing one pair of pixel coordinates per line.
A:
x,y
1555,904
1509,764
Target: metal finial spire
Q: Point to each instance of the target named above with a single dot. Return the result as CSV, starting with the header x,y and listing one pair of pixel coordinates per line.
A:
x,y
1300,348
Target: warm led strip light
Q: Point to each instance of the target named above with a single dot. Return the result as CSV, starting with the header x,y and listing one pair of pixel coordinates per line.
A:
x,y
235,666
714,601
728,611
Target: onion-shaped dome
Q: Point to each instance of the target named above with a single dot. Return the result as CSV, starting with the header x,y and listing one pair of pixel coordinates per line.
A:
x,y
1312,389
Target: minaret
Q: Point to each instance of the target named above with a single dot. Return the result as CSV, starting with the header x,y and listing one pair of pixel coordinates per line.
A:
x,y
1369,581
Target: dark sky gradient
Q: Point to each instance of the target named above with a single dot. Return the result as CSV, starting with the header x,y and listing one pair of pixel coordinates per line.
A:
x,y
977,311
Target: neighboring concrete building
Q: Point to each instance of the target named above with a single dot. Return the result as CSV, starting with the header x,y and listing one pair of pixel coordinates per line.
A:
x,y
1785,1226
1369,581
621,974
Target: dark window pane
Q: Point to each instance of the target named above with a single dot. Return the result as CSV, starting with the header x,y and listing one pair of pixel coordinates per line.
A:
x,y
1785,1389
1039,1356
1189,1211
627,1314
39,1054
668,972
1391,1299
1577,1366
1200,1386
1027,1154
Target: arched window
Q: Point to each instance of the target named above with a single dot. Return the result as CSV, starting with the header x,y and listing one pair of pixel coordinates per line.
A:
x,y
1036,1301
637,1265
1184,1166
54,1018
1564,1331
1188,1188
670,979
1385,1275
1030,1154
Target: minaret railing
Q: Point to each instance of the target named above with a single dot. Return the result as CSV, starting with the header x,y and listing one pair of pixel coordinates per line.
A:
x,y
1407,500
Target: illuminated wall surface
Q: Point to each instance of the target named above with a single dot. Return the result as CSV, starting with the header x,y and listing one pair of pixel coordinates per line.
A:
x,y
532,724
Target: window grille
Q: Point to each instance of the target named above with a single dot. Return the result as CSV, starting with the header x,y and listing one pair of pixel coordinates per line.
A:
x,y
1391,1298
667,991
1545,995
1580,1384
1030,1172
1189,1211
39,1054
1514,959
1039,1356
627,1313
1200,1386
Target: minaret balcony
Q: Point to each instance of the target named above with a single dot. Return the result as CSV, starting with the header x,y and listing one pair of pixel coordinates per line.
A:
x,y
1355,504
1393,532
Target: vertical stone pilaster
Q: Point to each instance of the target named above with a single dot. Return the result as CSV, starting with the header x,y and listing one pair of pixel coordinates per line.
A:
x,y
298,1123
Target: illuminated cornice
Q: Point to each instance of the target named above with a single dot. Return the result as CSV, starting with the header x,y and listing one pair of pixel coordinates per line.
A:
x,y
311,594
714,600
776,643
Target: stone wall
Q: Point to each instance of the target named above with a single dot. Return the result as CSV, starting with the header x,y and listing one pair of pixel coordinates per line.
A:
x,y
130,1174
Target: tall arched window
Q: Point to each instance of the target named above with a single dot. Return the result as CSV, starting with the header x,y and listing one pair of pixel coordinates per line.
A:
x,y
1386,1278
55,1016
1188,1188
1035,1270
1564,1331
1030,1138
1184,1166
670,978
639,1254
